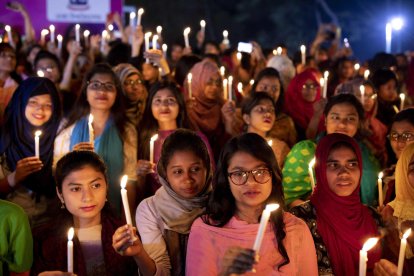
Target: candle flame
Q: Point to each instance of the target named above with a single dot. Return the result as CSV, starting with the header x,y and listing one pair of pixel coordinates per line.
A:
x,y
407,233
272,207
59,37
380,175
202,23
164,47
239,56
270,142
132,15
240,87
302,48
357,66
312,163
362,89
71,233
90,121
159,29
86,33
222,71
366,74
7,28
154,138
279,50
251,82
124,181
187,30
147,35
369,244
225,33
77,26
402,96
40,73
110,27
326,74
322,81
52,28
140,11
104,34
38,133
44,32
189,77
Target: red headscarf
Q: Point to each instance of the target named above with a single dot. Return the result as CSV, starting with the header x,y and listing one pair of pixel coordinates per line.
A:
x,y
300,110
343,222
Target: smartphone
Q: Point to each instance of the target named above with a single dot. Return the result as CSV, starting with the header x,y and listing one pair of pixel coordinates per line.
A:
x,y
245,47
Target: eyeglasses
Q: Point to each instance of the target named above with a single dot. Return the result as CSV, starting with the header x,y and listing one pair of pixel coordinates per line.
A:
x,y
403,137
310,86
263,110
46,69
168,101
240,177
100,86
36,105
132,82
7,54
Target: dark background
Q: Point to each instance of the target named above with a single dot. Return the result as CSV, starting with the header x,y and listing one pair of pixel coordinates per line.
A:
x,y
293,22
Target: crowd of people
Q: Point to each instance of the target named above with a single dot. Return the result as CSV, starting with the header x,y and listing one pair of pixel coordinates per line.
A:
x,y
208,137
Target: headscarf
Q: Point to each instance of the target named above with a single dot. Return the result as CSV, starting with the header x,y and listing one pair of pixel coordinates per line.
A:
x,y
300,110
207,113
343,222
403,204
17,137
285,67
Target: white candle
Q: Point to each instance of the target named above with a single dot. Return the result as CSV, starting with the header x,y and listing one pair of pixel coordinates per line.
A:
x,y
86,34
153,139
325,86
147,38
186,32
37,138
362,90
322,83
251,82
52,33
159,30
356,67
230,88
189,79
239,57
43,34
402,98
225,87
203,26
279,51
140,12
59,39
225,37
103,40
77,33
7,28
125,203
91,132
303,54
366,74
403,246
154,41
270,142
380,194
164,50
310,171
240,87
131,20
71,233
363,255
263,225
222,71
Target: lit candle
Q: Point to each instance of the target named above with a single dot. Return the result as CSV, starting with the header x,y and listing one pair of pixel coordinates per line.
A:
x,y
239,57
310,171
325,86
59,39
240,87
356,67
77,33
380,194
131,20
140,13
322,83
251,82
40,73
303,54
7,28
159,30
225,87
71,233
189,79
164,50
86,34
279,51
270,142
43,34
225,37
110,28
147,38
103,40
37,138
402,98
401,257
186,32
362,90
366,74
153,139
91,132
52,33
154,41
222,71
230,88
203,26
363,255
125,203
263,225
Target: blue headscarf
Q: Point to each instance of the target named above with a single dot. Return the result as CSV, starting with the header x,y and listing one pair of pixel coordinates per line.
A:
x,y
17,135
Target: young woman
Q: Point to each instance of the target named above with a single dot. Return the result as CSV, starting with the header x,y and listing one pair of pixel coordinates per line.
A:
x,y
82,187
343,114
164,220
259,115
24,178
220,242
338,221
115,139
7,84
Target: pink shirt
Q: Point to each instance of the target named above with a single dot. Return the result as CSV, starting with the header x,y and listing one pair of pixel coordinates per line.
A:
x,y
207,245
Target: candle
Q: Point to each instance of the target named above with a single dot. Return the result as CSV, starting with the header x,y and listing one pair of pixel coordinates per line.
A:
x,y
140,12
380,194
37,137
222,71
402,97
225,87
59,39
356,67
125,203
395,108
325,86
52,33
279,51
189,78
366,74
322,83
159,30
164,50
91,132
363,255
110,28
77,33
131,20
103,40
310,171
203,26
86,34
239,57
147,38
154,41
43,34
240,87
303,54
71,233
186,32
270,142
153,139
263,224
7,28
362,90
403,246
225,37
230,88
40,73
251,82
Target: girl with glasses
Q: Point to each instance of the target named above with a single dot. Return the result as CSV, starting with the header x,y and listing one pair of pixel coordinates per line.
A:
x,y
248,178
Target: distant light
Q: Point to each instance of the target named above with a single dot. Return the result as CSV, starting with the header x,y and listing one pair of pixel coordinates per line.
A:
x,y
397,23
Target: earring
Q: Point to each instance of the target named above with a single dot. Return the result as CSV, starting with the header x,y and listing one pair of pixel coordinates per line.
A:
x,y
63,205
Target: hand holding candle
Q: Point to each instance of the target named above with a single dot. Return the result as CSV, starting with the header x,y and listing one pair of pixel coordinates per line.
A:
x,y
153,139
403,246
310,171
363,255
263,225
71,233
37,148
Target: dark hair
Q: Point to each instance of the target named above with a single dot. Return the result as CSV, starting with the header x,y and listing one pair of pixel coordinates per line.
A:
x,y
119,53
149,125
43,54
382,76
182,140
76,160
6,47
270,72
183,66
222,206
406,115
345,99
250,102
82,107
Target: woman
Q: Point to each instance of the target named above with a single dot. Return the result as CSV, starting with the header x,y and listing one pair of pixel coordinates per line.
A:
x,y
339,222
7,84
24,178
343,114
135,91
164,220
247,179
115,139
259,115
82,187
